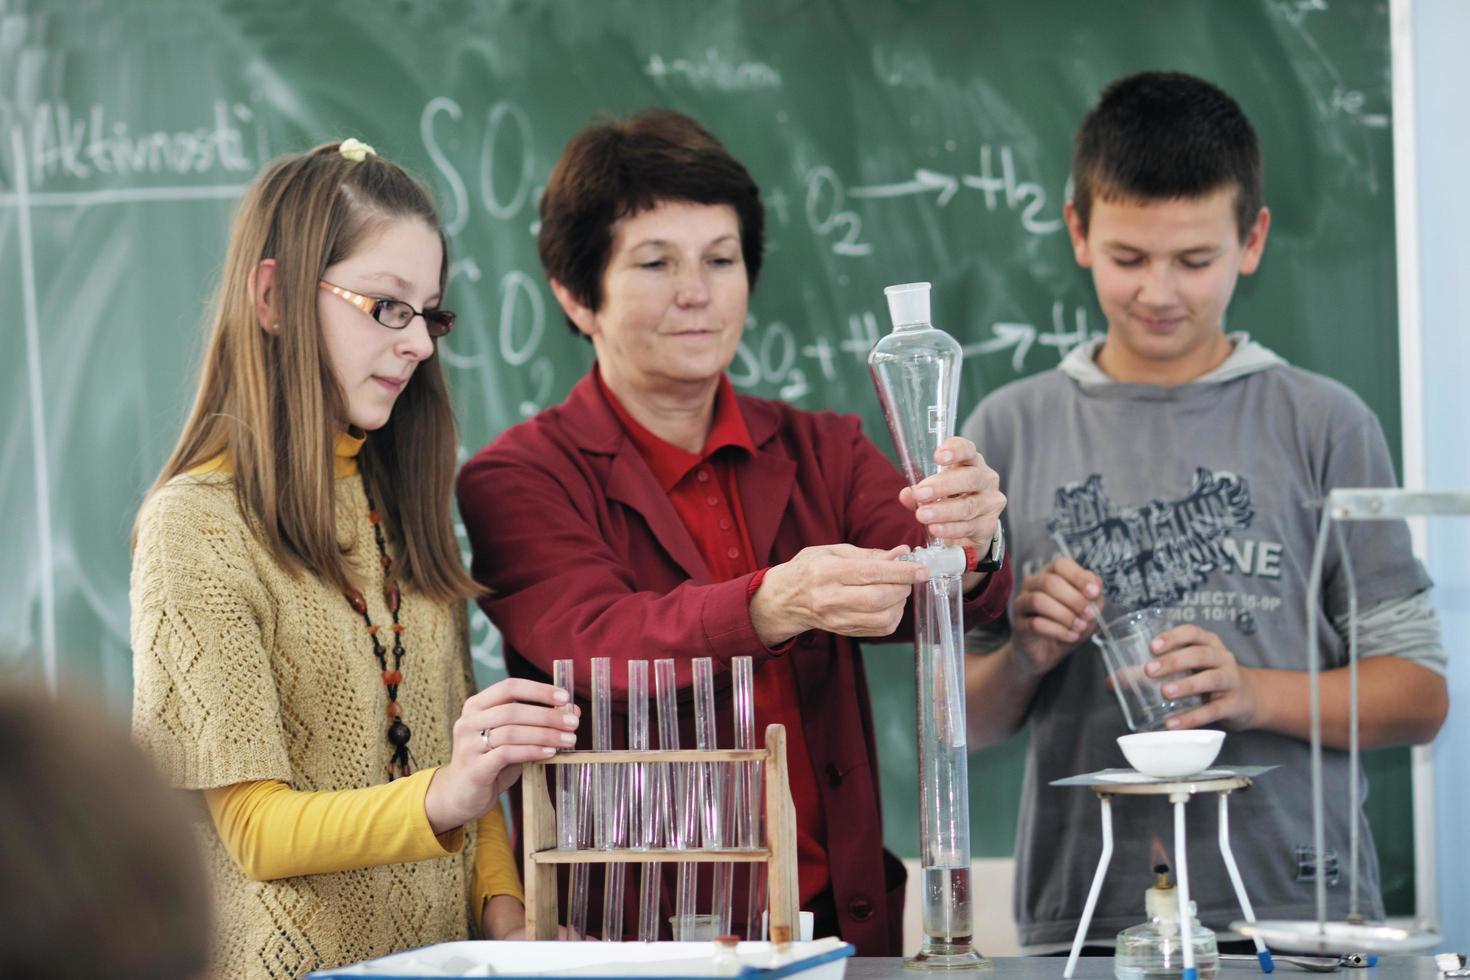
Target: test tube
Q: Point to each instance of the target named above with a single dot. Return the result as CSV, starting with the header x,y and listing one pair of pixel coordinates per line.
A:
x,y
640,802
566,776
680,814
749,804
711,786
577,890
573,823
638,809
606,799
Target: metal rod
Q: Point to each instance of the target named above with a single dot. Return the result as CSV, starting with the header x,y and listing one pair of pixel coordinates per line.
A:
x,y
1354,790
1092,893
1235,880
1181,865
1314,588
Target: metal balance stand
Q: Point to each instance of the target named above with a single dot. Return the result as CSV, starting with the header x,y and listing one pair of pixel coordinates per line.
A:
x,y
1319,935
542,855
1179,792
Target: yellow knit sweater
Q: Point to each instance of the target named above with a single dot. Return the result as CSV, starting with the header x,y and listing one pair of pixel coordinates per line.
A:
x,y
244,673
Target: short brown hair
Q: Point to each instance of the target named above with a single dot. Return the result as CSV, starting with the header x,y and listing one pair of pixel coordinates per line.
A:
x,y
620,167
270,401
1164,135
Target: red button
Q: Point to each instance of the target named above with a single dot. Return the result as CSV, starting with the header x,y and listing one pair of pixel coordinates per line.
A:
x,y
712,500
702,476
724,524
733,553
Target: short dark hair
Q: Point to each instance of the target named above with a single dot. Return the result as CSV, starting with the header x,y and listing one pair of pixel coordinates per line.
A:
x,y
1163,135
620,167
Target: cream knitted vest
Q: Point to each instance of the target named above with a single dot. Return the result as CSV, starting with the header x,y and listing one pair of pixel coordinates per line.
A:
x,y
242,672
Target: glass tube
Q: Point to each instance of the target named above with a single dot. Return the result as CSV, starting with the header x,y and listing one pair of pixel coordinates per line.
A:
x,y
566,776
712,788
607,819
947,629
944,797
680,814
642,800
578,886
573,824
749,801
916,370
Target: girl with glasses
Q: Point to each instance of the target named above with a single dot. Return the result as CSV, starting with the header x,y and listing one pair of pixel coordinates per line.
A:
x,y
298,600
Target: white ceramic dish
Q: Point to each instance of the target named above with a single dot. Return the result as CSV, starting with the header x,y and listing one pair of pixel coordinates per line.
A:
x,y
1178,753
825,959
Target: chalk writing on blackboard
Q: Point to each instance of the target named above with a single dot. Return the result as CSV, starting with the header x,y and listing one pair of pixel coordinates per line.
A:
x,y
714,70
506,169
517,291
767,355
998,188
828,217
87,144
1020,338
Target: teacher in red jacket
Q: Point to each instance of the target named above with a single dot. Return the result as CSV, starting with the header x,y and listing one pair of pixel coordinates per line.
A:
x,y
656,513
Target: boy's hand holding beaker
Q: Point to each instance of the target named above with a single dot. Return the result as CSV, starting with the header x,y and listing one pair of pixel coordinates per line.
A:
x,y
1230,692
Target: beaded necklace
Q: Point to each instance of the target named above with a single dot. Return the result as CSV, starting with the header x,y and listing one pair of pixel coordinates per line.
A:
x,y
400,762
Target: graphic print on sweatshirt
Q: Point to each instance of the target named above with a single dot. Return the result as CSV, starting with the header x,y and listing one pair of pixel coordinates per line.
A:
x,y
1156,553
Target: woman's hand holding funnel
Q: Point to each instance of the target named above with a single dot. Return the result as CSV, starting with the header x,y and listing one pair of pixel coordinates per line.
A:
x,y
960,504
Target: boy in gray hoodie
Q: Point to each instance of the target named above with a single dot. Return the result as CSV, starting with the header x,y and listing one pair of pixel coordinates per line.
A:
x,y
1175,460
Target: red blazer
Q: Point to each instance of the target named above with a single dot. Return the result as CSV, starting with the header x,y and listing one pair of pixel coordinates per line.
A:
x,y
585,556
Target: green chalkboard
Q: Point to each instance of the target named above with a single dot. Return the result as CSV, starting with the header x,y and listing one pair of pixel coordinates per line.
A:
x,y
900,140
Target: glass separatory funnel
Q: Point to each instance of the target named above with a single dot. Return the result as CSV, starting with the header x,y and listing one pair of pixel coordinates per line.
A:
x,y
916,369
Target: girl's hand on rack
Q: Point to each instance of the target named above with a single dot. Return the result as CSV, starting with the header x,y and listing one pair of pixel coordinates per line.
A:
x,y
506,724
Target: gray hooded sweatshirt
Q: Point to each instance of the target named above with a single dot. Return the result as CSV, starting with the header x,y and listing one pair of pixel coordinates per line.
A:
x,y
1194,498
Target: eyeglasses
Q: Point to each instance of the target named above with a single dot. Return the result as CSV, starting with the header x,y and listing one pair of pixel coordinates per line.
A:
x,y
394,313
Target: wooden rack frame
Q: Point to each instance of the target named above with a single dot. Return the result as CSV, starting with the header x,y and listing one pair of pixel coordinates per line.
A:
x,y
542,855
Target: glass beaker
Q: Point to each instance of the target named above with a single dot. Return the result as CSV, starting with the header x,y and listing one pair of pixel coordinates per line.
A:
x,y
1124,643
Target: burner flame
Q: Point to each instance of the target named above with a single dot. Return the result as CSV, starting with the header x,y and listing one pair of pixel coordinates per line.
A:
x,y
1158,857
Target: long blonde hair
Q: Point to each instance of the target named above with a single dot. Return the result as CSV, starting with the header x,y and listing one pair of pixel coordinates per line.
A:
x,y
270,401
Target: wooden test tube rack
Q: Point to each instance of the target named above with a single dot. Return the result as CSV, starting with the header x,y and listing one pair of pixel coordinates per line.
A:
x,y
779,855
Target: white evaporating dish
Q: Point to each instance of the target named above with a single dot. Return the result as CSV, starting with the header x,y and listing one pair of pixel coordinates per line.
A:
x,y
1176,753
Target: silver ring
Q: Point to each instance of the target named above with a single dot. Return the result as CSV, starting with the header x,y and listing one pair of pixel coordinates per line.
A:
x,y
485,738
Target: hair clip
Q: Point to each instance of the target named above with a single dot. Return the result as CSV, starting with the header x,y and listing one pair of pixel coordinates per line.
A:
x,y
355,150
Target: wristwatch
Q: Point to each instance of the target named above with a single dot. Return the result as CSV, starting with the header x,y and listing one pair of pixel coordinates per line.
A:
x,y
996,555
